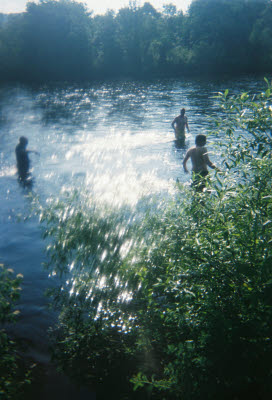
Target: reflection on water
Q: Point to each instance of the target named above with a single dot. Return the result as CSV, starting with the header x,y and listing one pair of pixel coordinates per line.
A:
x,y
112,139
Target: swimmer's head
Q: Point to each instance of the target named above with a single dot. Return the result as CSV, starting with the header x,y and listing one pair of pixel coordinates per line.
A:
x,y
23,141
200,139
182,111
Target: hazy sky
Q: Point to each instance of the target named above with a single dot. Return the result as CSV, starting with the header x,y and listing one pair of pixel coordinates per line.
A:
x,y
98,6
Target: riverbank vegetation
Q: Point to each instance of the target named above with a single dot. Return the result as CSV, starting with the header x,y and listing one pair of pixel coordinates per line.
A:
x,y
15,374
63,41
173,304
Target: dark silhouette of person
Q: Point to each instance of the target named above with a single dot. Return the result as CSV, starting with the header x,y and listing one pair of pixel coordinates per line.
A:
x,y
200,162
179,124
23,162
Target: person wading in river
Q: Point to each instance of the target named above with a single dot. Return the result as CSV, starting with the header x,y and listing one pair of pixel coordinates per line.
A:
x,y
200,162
179,124
23,162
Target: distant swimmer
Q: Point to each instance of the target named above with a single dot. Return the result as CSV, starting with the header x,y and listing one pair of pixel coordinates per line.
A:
x,y
22,158
200,162
179,124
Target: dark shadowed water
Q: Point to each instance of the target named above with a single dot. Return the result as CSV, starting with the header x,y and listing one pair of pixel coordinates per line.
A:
x,y
113,139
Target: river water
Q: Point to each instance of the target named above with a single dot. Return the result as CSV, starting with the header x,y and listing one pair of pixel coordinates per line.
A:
x,y
113,139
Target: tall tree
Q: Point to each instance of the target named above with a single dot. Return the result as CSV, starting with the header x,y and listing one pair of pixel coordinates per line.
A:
x,y
10,47
219,31
107,54
57,41
260,38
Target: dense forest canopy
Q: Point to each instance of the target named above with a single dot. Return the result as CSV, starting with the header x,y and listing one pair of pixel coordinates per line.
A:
x,y
62,40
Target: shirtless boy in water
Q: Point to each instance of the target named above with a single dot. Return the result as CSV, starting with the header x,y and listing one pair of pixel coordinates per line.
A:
x,y
200,161
179,124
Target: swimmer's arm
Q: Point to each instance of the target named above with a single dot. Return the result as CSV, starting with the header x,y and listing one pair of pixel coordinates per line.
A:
x,y
34,152
186,158
208,161
187,125
173,123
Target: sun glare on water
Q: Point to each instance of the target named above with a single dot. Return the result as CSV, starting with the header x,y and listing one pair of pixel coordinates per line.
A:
x,y
117,168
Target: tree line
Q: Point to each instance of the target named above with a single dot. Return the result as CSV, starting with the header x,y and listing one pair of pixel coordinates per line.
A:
x,y
62,40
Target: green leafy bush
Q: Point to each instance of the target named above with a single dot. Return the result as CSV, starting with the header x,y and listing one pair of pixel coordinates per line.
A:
x,y
177,301
14,376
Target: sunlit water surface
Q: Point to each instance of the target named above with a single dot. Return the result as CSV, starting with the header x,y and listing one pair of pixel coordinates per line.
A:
x,y
112,139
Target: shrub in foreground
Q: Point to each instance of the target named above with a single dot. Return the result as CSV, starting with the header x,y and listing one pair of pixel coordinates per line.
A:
x,y
14,376
178,302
